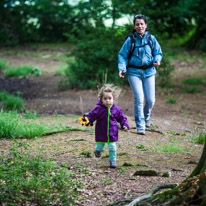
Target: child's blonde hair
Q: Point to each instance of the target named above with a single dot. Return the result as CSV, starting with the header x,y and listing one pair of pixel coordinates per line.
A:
x,y
109,88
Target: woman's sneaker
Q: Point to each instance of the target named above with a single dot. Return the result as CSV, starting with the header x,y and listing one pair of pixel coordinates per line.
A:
x,y
147,124
141,132
113,164
97,153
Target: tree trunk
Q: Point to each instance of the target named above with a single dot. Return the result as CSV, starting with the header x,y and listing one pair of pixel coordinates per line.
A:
x,y
193,188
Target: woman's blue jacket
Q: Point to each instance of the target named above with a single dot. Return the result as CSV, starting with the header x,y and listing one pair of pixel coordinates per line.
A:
x,y
143,55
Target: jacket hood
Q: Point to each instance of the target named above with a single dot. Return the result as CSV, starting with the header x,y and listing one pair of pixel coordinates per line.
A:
x,y
100,103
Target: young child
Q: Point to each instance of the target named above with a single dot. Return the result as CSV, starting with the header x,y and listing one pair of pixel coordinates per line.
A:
x,y
106,114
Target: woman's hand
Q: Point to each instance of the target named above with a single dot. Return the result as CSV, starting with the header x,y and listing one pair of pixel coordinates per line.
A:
x,y
157,63
121,74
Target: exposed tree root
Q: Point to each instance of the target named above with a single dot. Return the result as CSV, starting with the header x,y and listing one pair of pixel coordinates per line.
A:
x,y
119,203
144,197
66,129
148,129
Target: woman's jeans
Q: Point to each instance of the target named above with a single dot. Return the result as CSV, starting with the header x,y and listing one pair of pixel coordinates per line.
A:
x,y
143,89
112,149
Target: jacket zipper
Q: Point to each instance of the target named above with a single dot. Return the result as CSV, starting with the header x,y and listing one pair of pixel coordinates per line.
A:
x,y
109,113
143,60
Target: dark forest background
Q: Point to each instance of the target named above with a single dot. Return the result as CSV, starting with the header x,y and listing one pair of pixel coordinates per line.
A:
x,y
95,45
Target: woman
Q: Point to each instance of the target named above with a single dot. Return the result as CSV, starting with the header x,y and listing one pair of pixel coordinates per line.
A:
x,y
140,68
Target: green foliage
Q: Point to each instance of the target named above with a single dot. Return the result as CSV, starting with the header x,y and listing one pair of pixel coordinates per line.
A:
x,y
195,81
64,84
26,180
200,139
175,133
31,115
192,90
13,125
198,39
108,181
2,64
164,73
61,70
52,21
171,100
11,102
96,59
140,146
22,71
87,154
36,21
172,148
173,140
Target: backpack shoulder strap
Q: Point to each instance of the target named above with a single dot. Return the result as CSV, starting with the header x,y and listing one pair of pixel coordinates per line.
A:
x,y
149,39
132,47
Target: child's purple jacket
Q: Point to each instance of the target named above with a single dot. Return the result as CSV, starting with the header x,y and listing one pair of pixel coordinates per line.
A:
x,y
101,114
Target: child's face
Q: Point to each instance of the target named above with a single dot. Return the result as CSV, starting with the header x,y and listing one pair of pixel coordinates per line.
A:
x,y
107,99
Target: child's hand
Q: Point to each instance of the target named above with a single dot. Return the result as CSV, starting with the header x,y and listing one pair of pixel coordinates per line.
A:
x,y
84,121
125,128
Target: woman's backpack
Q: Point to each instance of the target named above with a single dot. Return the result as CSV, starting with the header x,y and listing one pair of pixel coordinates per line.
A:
x,y
132,47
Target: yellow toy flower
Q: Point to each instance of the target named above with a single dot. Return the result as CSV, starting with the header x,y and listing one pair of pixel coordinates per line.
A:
x,y
84,121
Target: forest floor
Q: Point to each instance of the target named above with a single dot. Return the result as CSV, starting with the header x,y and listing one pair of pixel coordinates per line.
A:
x,y
168,145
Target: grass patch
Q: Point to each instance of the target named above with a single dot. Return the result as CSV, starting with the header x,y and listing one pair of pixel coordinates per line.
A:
x,y
140,146
174,133
26,180
195,81
10,102
74,116
108,181
2,64
192,90
31,115
173,140
86,154
13,125
61,70
200,139
171,148
22,71
171,100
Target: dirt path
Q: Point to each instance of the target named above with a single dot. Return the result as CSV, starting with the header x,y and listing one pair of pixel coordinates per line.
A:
x,y
172,124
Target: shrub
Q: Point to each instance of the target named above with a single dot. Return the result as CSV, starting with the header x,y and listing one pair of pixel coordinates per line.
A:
x,y
96,57
164,73
22,71
26,180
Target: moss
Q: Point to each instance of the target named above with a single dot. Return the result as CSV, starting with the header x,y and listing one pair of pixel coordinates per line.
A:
x,y
86,154
146,173
168,194
127,164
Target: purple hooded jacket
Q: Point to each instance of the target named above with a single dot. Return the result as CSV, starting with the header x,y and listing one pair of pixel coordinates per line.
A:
x,y
104,131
